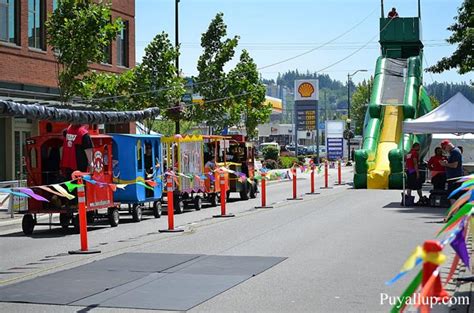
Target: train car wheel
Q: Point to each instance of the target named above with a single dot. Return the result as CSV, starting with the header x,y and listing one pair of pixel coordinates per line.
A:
x,y
75,224
213,200
253,191
28,224
114,217
137,213
244,193
157,209
90,217
197,203
65,220
178,206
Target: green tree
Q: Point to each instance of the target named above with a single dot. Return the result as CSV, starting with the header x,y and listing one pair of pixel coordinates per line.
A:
x,y
167,127
109,90
359,100
79,32
156,82
211,81
463,35
434,102
249,94
153,83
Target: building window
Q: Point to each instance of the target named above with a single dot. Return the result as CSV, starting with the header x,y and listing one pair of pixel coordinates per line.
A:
x,y
9,21
36,18
122,46
107,54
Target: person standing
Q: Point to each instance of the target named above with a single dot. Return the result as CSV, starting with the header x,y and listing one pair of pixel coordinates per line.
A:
x,y
413,171
438,171
77,150
453,167
393,13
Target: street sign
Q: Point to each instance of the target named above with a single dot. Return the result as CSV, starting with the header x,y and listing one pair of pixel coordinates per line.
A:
x,y
335,129
335,148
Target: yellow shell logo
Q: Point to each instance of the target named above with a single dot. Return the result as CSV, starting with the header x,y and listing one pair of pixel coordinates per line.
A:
x,y
306,90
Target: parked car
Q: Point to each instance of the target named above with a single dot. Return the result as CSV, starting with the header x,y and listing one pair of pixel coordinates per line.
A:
x,y
266,144
302,150
314,150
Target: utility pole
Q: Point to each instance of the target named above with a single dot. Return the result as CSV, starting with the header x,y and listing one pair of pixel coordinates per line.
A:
x,y
176,20
349,115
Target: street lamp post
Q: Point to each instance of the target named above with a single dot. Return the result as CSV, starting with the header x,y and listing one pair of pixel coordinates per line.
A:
x,y
349,76
176,27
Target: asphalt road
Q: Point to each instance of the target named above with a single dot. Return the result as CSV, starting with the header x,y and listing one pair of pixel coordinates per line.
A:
x,y
341,246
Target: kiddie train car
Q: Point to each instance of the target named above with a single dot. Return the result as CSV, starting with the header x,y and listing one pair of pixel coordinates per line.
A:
x,y
239,156
184,157
43,157
137,161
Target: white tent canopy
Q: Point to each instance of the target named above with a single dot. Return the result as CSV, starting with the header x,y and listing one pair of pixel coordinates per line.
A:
x,y
454,116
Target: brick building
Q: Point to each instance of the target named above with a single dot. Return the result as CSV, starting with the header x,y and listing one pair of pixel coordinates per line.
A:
x,y
28,68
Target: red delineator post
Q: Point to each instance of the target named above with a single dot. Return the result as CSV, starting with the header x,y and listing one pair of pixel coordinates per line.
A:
x,y
339,173
264,194
223,196
81,203
326,176
170,200
312,182
295,196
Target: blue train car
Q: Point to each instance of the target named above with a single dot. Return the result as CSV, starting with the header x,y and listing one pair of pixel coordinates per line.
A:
x,y
138,158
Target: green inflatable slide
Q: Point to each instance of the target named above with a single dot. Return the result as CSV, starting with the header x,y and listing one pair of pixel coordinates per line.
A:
x,y
397,95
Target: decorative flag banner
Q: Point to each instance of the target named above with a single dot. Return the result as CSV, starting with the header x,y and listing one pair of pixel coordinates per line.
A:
x,y
47,189
465,210
144,185
407,293
459,245
413,260
30,193
10,191
453,268
89,180
71,186
469,185
121,186
211,177
151,183
456,205
63,191
466,178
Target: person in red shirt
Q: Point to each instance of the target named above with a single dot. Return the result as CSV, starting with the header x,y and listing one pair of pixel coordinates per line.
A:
x,y
393,13
413,172
77,150
438,171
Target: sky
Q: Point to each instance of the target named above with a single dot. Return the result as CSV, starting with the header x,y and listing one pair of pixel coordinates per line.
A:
x,y
275,30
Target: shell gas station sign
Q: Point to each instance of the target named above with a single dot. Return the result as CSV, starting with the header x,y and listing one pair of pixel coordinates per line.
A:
x,y
307,90
306,104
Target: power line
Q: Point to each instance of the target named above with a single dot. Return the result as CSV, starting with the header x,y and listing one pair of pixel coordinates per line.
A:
x,y
356,51
217,79
322,45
